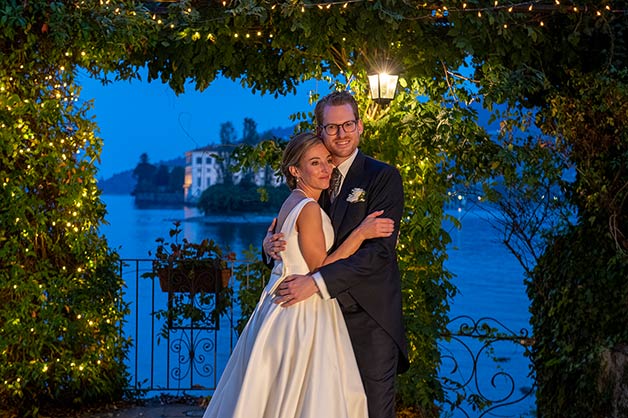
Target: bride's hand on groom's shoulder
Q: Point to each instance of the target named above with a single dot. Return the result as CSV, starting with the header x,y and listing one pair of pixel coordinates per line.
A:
x,y
273,242
294,289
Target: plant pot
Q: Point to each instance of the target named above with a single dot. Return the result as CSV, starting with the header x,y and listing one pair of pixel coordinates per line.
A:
x,y
194,278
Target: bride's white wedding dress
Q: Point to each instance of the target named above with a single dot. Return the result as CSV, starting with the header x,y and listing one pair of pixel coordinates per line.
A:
x,y
294,362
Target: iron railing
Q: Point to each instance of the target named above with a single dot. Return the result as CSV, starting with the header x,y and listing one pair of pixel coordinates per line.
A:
x,y
485,368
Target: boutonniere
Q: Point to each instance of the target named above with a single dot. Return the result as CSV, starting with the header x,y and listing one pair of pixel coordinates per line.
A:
x,y
357,195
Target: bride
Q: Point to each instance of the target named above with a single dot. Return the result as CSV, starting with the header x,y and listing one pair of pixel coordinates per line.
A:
x,y
297,362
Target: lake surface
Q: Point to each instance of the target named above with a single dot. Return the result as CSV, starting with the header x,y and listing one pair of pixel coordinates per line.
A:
x,y
489,278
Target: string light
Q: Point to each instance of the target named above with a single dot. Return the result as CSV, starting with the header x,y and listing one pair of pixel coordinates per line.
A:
x,y
530,6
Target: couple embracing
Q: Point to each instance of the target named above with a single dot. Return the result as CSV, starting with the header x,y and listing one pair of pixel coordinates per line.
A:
x,y
326,338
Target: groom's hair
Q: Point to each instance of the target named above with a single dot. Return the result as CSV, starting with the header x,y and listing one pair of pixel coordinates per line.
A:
x,y
336,98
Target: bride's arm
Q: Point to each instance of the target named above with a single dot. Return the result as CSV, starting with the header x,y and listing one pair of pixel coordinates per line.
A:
x,y
312,238
309,224
370,227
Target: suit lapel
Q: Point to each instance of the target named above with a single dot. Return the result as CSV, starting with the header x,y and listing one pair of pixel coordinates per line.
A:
x,y
340,205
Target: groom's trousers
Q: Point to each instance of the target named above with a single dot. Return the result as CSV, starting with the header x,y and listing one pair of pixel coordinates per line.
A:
x,y
377,356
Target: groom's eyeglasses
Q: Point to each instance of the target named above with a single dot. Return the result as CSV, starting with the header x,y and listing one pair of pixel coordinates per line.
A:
x,y
333,128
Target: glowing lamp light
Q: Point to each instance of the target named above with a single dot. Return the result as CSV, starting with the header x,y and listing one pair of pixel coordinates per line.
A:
x,y
383,87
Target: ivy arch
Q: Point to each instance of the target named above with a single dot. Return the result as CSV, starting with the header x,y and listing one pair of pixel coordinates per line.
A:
x,y
557,67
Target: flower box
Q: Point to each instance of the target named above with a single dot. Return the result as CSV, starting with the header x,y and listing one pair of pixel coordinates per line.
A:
x,y
194,277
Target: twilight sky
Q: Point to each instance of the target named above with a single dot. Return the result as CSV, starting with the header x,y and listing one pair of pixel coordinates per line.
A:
x,y
137,117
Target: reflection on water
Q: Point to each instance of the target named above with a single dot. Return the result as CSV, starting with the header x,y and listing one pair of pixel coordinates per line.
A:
x,y
132,231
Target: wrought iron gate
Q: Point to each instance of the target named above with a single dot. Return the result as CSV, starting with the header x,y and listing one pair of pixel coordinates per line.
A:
x,y
484,371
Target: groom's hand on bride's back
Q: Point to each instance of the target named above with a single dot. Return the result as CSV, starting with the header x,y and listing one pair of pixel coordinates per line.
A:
x,y
294,289
273,242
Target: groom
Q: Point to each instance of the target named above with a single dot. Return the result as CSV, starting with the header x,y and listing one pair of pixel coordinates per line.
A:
x,y
366,285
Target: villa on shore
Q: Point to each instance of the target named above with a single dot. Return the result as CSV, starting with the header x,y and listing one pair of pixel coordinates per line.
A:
x,y
211,165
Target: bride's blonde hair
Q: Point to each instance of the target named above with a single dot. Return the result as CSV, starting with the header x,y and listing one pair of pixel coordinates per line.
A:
x,y
294,151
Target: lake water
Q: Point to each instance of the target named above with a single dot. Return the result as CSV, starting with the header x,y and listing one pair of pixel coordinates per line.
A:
x,y
489,278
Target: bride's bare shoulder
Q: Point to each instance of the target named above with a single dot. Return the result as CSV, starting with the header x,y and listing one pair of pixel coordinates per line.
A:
x,y
311,212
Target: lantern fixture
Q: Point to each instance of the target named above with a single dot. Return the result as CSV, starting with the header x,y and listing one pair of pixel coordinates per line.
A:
x,y
383,87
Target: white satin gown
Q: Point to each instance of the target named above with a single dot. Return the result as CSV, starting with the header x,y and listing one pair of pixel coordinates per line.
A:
x,y
294,362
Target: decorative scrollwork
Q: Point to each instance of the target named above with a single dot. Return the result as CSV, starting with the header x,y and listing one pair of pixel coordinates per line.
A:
x,y
193,355
482,372
477,371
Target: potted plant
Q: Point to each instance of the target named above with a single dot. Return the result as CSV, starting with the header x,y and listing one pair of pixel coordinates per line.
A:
x,y
184,266
195,276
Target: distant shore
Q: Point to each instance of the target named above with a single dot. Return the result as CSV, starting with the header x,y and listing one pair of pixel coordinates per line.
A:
x,y
249,218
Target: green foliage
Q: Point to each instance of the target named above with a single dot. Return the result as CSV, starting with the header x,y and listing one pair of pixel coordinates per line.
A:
x,y
58,346
61,302
429,143
579,272
252,276
578,287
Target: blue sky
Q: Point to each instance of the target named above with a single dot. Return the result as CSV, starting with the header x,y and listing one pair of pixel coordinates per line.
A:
x,y
137,117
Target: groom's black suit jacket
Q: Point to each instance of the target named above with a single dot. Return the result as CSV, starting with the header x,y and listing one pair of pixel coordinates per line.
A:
x,y
370,277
